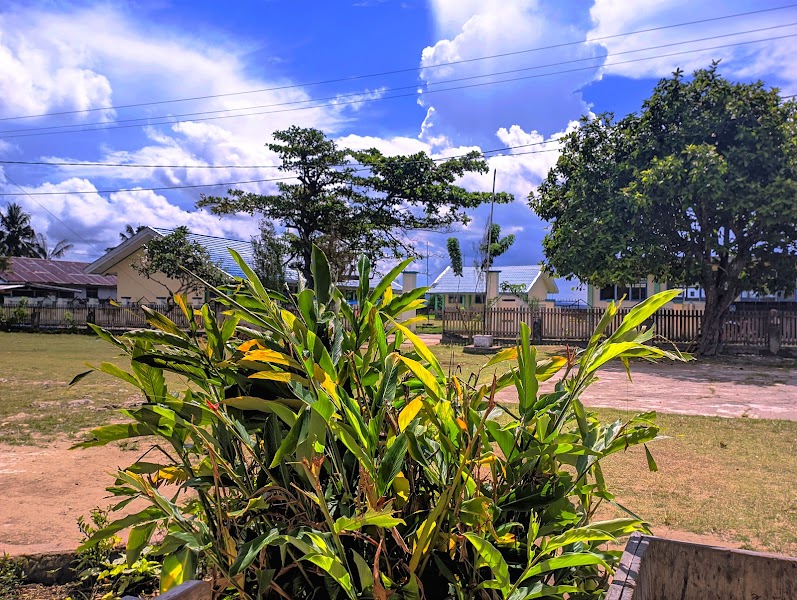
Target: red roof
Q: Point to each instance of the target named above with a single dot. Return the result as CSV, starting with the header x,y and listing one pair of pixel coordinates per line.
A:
x,y
58,272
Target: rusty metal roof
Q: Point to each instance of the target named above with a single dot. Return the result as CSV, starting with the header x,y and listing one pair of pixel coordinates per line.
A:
x,y
59,272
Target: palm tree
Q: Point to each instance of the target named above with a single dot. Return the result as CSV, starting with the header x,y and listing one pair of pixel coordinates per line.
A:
x,y
125,235
17,237
44,251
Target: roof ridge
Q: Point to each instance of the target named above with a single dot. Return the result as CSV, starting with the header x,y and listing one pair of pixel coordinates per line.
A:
x,y
215,237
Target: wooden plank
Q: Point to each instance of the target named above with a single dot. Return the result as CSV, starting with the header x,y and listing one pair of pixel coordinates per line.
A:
x,y
663,569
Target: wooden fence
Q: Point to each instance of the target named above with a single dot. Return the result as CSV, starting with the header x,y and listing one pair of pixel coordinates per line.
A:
x,y
64,317
573,325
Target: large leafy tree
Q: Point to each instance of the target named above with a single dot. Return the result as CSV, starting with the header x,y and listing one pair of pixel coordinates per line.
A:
x,y
184,262
368,201
700,188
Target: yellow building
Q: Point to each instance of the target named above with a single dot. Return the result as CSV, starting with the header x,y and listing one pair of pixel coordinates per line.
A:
x,y
134,288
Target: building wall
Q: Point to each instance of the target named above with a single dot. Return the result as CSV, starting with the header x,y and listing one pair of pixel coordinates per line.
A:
x,y
137,289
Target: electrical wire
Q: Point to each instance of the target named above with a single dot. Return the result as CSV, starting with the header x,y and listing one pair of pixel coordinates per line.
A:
x,y
408,69
155,166
357,97
230,183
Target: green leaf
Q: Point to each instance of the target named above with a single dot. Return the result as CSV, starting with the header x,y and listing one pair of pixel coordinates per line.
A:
x,y
425,377
421,348
80,376
281,408
391,464
651,462
501,356
162,322
572,536
251,277
363,571
491,558
563,561
290,441
642,311
148,515
112,433
137,541
177,568
322,280
374,518
388,280
112,369
248,552
540,590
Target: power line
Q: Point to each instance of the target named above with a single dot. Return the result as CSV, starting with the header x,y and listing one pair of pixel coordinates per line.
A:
x,y
75,233
154,166
230,183
357,97
409,69
413,94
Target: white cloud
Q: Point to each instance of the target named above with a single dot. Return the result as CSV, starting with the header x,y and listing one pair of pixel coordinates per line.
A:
x,y
472,29
768,60
92,221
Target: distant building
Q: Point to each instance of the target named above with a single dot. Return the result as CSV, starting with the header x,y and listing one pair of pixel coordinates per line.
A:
x,y
691,297
44,282
509,287
134,288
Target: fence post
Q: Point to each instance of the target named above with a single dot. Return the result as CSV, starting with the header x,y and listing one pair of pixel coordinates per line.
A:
x,y
774,331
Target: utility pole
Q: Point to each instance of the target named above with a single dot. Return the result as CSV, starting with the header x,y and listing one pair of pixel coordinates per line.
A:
x,y
487,259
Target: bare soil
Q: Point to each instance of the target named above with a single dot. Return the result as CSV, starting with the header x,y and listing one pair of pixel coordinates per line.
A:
x,y
742,387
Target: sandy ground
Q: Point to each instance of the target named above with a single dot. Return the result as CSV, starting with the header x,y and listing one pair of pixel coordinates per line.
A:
x,y
734,389
44,490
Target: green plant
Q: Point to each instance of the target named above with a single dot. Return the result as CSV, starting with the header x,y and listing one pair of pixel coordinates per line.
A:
x,y
20,312
11,577
69,319
315,456
102,570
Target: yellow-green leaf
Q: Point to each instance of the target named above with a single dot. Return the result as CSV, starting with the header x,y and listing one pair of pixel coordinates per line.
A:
x,y
409,412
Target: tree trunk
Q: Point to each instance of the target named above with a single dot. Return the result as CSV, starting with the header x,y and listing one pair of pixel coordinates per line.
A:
x,y
307,258
714,316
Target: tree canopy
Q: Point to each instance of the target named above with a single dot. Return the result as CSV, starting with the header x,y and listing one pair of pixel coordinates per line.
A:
x,y
181,260
698,188
493,246
269,251
363,199
18,238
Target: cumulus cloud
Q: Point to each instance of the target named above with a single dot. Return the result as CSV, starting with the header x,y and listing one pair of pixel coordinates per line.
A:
x,y
472,29
771,60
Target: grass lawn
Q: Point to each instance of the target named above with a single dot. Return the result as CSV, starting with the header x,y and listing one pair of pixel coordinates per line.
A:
x,y
735,479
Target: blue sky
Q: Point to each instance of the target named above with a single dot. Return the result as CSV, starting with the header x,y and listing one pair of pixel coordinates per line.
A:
x,y
72,56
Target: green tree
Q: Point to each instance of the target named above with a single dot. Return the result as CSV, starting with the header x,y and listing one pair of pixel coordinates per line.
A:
x,y
270,256
182,261
369,201
697,189
43,249
125,235
454,255
493,246
17,237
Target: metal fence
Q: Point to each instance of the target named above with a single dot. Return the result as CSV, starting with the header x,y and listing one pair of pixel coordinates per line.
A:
x,y
573,325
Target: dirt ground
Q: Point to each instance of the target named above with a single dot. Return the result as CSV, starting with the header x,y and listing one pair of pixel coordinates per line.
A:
x,y
45,489
749,387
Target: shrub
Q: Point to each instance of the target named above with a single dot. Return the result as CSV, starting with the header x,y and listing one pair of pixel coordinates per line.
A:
x,y
11,577
315,455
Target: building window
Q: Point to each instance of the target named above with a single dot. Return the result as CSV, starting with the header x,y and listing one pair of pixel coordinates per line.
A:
x,y
92,292
478,299
638,291
127,300
455,299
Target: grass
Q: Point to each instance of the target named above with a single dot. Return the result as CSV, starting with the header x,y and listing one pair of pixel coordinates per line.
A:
x,y
732,479
36,403
455,360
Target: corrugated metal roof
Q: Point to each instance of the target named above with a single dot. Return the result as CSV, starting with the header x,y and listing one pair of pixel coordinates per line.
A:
x,y
472,279
58,272
218,248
